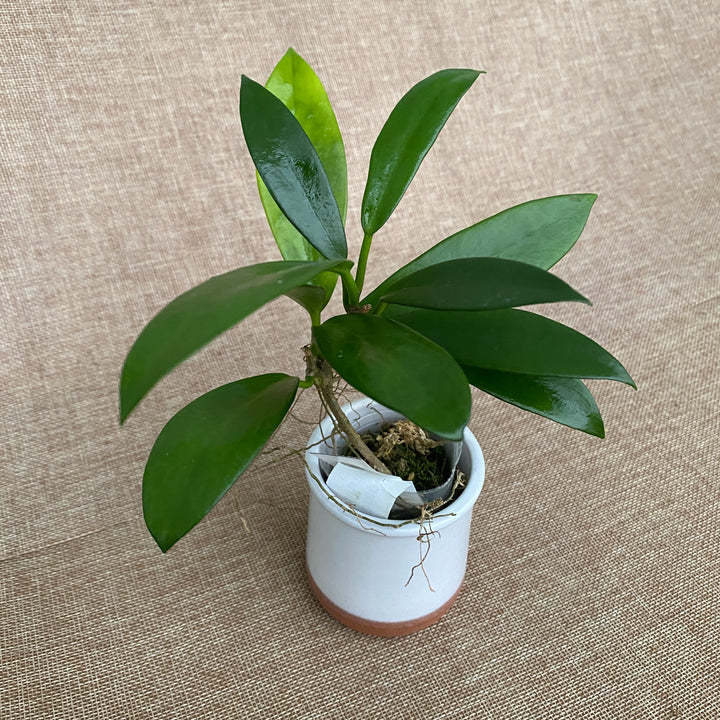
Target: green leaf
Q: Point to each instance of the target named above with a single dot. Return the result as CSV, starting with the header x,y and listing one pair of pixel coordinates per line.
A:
x,y
311,297
400,369
198,316
205,447
539,233
405,139
565,400
295,83
485,283
324,281
291,169
515,341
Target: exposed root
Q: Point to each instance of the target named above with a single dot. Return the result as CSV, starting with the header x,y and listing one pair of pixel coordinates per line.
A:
x,y
423,539
404,432
238,508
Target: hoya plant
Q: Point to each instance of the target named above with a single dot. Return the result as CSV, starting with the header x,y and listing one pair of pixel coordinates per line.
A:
x,y
446,320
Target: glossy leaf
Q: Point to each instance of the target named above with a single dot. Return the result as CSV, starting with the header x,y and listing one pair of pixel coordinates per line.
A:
x,y
295,83
291,169
198,316
205,447
565,400
399,368
405,139
538,232
479,284
515,341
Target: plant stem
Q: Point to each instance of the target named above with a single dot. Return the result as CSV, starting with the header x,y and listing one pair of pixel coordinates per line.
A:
x,y
351,435
351,294
324,378
362,261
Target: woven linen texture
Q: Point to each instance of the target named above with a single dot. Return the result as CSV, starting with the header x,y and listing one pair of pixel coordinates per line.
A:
x,y
593,573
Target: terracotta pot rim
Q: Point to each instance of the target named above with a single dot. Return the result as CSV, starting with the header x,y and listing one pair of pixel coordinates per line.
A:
x,y
462,505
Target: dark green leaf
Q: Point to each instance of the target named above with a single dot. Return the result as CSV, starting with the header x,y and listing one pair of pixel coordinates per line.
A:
x,y
205,447
311,297
399,368
486,283
291,169
198,316
405,139
538,232
295,83
515,341
565,400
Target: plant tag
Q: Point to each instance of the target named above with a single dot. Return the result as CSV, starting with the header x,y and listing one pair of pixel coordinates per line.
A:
x,y
364,489
330,461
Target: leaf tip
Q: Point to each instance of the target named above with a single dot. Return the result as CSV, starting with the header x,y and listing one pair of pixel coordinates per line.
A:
x,y
246,82
163,543
474,74
162,537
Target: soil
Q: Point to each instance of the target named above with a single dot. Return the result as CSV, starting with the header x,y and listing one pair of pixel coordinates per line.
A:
x,y
410,454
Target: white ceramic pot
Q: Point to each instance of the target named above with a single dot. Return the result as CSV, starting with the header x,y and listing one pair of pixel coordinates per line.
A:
x,y
359,570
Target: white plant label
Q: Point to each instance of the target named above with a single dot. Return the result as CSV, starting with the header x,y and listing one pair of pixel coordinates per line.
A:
x,y
357,484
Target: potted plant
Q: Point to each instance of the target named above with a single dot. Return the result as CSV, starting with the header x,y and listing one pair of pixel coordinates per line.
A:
x,y
413,345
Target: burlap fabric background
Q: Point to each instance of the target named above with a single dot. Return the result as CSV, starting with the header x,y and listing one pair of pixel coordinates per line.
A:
x,y
593,579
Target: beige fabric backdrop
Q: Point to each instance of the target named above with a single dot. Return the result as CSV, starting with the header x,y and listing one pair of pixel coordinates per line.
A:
x,y
592,586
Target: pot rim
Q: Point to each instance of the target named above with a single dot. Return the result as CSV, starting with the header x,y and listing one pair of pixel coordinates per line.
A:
x,y
471,454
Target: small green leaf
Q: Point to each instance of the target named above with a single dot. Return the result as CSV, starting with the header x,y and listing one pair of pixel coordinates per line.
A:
x,y
565,400
515,341
399,368
539,233
485,283
295,83
291,169
405,139
205,447
198,316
